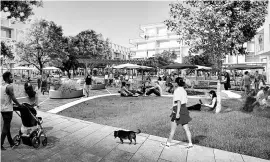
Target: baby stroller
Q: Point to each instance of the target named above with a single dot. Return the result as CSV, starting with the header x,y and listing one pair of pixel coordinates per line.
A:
x,y
31,131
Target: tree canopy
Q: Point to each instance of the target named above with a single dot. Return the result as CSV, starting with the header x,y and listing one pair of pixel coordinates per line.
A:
x,y
6,51
42,42
217,28
19,10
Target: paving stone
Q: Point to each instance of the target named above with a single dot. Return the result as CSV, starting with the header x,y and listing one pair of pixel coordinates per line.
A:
x,y
253,159
174,153
30,157
61,157
144,135
58,134
24,149
103,147
74,149
10,155
156,138
74,127
162,160
225,156
54,122
88,157
93,138
60,126
117,156
150,150
131,148
201,154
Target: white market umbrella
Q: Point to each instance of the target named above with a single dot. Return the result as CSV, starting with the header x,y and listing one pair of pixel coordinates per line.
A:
x,y
51,68
203,67
127,66
22,68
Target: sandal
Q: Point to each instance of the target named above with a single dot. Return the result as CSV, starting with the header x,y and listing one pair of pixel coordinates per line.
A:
x,y
189,146
166,145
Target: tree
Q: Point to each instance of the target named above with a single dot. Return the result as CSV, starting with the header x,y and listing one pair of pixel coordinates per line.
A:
x,y
68,60
42,42
217,28
162,59
19,10
6,51
203,60
90,44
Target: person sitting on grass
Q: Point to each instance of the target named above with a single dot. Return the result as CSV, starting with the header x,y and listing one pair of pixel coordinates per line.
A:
x,y
261,98
206,107
32,98
124,92
157,90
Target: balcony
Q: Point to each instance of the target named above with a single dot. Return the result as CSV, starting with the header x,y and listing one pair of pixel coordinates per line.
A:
x,y
5,23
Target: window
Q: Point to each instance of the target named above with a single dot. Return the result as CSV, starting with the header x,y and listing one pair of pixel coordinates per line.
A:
x,y
6,33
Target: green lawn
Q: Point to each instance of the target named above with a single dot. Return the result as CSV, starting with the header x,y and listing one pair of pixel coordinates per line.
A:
x,y
231,130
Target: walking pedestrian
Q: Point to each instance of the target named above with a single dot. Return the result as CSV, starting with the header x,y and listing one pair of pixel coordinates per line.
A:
x,y
180,113
7,96
88,83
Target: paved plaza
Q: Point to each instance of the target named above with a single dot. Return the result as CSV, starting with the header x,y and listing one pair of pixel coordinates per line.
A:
x,y
74,140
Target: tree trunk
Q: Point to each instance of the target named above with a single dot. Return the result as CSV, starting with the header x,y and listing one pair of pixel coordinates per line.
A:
x,y
68,73
218,108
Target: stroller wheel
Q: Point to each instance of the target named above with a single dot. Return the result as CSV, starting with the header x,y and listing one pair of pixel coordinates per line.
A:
x,y
17,140
35,142
45,142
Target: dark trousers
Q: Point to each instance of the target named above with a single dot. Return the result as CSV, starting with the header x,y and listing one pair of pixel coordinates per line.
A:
x,y
7,117
155,91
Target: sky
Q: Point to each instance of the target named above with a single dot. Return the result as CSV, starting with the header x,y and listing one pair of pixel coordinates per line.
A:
x,y
117,20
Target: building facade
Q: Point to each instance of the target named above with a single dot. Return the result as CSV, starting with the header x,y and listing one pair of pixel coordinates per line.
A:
x,y
11,32
262,44
121,52
155,38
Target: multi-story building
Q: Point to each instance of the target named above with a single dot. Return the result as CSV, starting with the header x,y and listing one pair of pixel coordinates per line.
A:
x,y
10,34
262,44
120,52
258,49
155,38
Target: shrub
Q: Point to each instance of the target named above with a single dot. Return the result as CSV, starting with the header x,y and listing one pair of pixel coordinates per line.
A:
x,y
68,86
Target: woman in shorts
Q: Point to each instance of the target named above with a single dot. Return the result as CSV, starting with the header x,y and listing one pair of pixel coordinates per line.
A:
x,y
180,113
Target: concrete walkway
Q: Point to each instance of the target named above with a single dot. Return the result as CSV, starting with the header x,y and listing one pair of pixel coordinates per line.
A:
x,y
74,140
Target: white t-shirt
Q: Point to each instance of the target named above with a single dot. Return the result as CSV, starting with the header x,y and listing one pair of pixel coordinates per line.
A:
x,y
106,76
179,94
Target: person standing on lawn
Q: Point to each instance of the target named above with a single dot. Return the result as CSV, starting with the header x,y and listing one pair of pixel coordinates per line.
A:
x,y
7,96
227,83
180,114
88,83
246,82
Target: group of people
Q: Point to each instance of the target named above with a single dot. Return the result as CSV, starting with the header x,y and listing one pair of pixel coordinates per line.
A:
x,y
253,82
143,90
7,108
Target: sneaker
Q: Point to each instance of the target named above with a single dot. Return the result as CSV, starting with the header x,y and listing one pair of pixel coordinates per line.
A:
x,y
166,145
12,146
189,146
3,148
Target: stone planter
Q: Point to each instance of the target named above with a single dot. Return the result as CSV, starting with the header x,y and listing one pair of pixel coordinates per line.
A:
x,y
65,95
98,86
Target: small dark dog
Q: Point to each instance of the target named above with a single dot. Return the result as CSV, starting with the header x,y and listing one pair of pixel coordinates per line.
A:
x,y
126,135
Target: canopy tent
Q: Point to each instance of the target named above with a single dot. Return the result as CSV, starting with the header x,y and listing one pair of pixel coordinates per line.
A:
x,y
22,68
203,67
180,66
51,68
244,67
127,66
